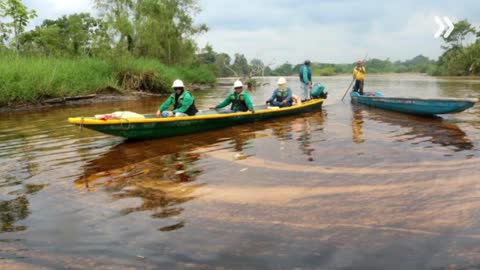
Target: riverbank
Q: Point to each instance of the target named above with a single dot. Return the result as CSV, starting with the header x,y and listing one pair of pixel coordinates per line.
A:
x,y
34,81
104,96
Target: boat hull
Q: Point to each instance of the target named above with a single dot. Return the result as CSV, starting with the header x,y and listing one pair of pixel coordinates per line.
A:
x,y
416,106
151,128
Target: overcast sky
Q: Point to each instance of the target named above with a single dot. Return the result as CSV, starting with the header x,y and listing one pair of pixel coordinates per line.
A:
x,y
335,31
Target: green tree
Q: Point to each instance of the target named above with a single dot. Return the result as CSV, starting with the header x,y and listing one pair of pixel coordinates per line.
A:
x,y
207,56
257,67
460,58
76,34
240,65
459,34
17,16
285,69
117,14
166,29
222,65
163,29
268,71
47,41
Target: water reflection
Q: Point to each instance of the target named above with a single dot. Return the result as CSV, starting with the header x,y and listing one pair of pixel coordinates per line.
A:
x,y
357,124
164,183
17,209
303,128
162,173
415,129
12,211
14,206
459,87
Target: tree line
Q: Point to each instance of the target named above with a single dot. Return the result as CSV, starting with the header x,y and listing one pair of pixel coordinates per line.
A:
x,y
165,30
162,30
461,57
224,66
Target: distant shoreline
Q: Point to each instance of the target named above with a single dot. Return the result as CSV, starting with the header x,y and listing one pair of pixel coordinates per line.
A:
x,y
368,74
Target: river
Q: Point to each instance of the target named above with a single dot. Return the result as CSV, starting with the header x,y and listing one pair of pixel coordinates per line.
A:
x,y
347,187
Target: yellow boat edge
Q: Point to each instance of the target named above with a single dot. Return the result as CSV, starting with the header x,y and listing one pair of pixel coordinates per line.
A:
x,y
93,121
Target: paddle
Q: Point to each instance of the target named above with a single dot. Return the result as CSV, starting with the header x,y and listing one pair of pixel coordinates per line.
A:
x,y
350,86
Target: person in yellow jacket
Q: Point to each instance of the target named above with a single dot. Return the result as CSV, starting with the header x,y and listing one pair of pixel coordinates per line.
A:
x,y
359,76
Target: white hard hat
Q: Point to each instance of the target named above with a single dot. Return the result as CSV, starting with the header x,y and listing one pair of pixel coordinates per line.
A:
x,y
281,80
237,84
178,84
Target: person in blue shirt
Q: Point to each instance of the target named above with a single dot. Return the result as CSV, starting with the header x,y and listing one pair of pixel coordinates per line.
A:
x,y
305,75
282,96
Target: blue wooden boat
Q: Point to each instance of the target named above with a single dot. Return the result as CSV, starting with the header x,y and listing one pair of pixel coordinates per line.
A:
x,y
417,106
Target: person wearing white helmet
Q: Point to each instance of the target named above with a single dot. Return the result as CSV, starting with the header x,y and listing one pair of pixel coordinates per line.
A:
x,y
239,99
183,102
282,96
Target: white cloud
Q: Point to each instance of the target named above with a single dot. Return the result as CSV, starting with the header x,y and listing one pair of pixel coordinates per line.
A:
x,y
332,43
52,9
324,31
329,31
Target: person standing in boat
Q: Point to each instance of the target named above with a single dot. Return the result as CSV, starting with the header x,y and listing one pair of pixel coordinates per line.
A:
x,y
305,75
359,76
282,96
239,99
183,102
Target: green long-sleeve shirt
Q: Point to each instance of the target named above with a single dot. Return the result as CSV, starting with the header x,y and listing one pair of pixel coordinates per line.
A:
x,y
242,97
306,75
185,100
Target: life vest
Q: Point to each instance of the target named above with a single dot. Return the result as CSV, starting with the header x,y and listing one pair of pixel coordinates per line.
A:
x,y
281,95
192,110
359,73
300,73
238,102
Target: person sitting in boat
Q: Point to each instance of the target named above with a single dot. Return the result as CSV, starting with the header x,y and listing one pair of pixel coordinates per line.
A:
x,y
239,99
183,102
358,76
282,96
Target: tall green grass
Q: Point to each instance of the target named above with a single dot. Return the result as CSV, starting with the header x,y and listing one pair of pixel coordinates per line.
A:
x,y
31,79
161,76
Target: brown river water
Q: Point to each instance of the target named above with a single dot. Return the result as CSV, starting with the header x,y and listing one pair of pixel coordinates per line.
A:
x,y
347,187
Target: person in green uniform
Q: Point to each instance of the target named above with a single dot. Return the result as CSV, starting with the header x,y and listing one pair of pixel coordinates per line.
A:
x,y
239,99
306,85
183,103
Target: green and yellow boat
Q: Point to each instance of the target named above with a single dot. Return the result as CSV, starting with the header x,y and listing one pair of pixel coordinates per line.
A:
x,y
152,127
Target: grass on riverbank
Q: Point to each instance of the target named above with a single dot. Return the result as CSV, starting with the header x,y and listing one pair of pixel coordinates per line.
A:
x,y
31,79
